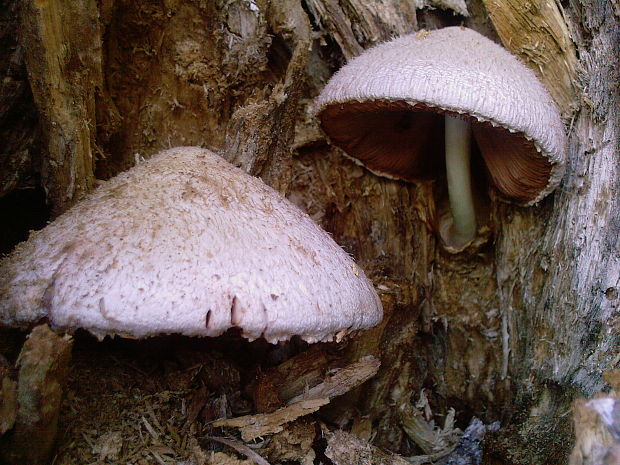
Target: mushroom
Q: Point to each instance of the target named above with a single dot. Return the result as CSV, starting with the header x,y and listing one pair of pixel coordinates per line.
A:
x,y
388,108
186,243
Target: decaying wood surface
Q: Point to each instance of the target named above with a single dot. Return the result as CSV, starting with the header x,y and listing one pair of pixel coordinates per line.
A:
x,y
511,330
537,32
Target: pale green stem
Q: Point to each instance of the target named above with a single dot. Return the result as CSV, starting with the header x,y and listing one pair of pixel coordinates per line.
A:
x,y
458,141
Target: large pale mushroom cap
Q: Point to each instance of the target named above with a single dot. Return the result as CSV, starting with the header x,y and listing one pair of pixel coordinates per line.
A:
x,y
385,108
186,243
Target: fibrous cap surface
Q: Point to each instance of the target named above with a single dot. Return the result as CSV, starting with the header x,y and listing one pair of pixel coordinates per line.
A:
x,y
376,108
186,243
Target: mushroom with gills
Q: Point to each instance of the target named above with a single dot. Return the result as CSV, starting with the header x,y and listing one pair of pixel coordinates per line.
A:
x,y
186,243
391,107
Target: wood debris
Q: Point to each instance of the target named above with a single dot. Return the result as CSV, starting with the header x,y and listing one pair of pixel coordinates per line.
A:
x,y
418,424
108,446
293,444
337,383
342,380
242,449
43,366
345,449
253,426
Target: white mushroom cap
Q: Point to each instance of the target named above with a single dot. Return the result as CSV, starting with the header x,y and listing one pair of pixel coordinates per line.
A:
x,y
384,109
187,243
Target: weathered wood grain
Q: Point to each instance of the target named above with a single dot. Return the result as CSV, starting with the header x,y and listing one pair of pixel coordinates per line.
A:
x,y
63,56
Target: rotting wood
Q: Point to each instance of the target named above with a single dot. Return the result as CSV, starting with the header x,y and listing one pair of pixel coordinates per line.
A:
x,y
293,444
63,56
356,24
276,386
433,441
553,270
259,135
43,369
536,31
558,267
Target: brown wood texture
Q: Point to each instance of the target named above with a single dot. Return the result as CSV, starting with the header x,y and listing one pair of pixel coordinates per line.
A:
x,y
512,329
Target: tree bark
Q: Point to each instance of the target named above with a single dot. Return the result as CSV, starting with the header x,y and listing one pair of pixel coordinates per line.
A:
x,y
511,330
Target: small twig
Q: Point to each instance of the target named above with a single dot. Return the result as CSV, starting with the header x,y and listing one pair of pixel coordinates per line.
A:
x,y
151,430
241,448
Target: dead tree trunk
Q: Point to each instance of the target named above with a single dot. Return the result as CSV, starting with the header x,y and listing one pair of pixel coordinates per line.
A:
x,y
511,332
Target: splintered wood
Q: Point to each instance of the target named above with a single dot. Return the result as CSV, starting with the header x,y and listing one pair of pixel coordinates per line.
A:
x,y
337,383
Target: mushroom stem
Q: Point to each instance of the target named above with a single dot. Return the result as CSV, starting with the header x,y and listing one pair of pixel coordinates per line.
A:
x,y
463,228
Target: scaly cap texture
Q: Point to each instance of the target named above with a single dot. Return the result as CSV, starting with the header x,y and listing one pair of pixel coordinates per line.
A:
x,y
187,243
384,109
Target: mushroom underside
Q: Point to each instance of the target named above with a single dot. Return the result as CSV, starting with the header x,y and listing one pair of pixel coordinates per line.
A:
x,y
402,140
